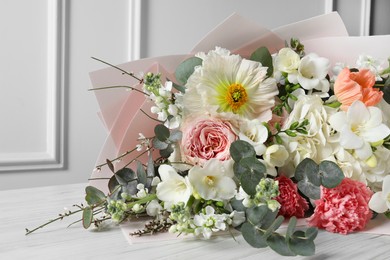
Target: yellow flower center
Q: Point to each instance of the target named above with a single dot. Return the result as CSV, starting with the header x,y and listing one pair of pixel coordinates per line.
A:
x,y
209,180
236,96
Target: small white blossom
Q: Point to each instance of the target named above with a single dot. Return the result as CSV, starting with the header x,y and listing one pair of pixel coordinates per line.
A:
x,y
153,208
209,222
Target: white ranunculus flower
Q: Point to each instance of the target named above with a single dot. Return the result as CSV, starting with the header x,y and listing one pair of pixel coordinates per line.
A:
x,y
255,133
358,127
380,201
213,181
312,73
173,188
276,155
287,60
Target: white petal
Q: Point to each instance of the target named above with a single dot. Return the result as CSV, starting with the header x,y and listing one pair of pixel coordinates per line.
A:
x,y
377,203
349,140
386,185
358,113
338,120
364,152
375,134
226,188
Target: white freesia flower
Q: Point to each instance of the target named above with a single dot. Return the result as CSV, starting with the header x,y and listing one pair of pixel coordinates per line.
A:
x,y
287,60
377,166
173,188
209,222
358,127
153,208
276,155
213,181
380,201
228,83
255,133
312,73
376,66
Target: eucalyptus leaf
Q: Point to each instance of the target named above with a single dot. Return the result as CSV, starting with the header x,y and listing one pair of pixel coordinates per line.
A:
x,y
331,174
125,175
238,170
256,214
94,196
186,68
311,233
112,183
278,243
167,151
274,226
175,136
301,246
254,172
110,165
178,87
159,145
291,226
268,219
253,236
386,92
237,205
141,173
87,217
263,56
309,189
240,149
308,169
162,132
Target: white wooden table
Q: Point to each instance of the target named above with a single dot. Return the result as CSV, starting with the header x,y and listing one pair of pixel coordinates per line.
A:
x,y
30,207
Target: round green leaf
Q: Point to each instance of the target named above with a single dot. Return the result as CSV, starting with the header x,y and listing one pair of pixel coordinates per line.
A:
x,y
263,56
162,132
240,149
301,246
93,195
87,217
251,176
279,244
307,170
331,174
253,236
186,68
256,214
311,233
309,189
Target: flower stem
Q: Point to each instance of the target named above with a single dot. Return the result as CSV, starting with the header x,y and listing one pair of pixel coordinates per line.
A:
x,y
125,72
110,87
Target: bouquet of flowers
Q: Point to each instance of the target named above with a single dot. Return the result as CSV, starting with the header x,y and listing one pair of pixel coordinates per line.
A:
x,y
245,136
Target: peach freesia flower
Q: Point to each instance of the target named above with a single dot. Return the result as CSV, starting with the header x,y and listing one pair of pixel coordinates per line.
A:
x,y
351,86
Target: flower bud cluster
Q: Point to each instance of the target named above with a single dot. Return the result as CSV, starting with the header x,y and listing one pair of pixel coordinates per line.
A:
x,y
117,209
165,106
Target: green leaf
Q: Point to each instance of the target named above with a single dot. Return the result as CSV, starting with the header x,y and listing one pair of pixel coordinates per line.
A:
x,y
238,170
269,219
311,233
112,183
256,214
291,226
93,195
253,236
309,189
301,245
141,173
110,165
278,243
167,151
159,145
263,56
386,92
125,175
240,149
331,174
175,136
253,173
87,217
162,132
186,68
178,87
274,226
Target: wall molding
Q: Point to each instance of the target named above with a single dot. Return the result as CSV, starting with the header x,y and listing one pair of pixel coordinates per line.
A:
x,y
54,156
365,17
328,6
134,37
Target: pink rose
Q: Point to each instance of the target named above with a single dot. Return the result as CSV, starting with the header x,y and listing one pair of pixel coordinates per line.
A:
x,y
343,209
292,204
204,139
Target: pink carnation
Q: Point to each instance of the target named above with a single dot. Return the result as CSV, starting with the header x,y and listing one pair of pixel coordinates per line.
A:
x,y
205,139
292,204
343,209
